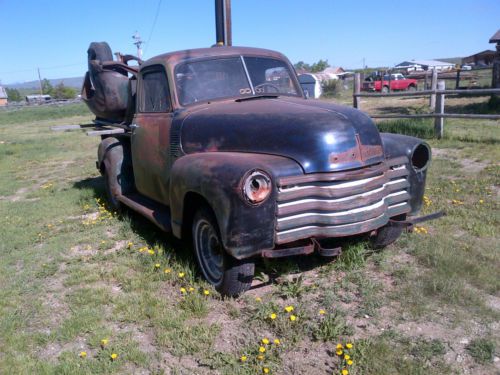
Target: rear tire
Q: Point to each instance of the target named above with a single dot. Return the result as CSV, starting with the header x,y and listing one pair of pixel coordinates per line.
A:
x,y
111,185
385,89
412,88
388,234
229,276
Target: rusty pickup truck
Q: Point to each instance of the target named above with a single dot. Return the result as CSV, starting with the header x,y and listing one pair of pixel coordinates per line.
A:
x,y
220,146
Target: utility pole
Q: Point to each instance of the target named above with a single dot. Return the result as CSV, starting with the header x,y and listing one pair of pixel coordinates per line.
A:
x,y
40,80
138,43
364,63
223,24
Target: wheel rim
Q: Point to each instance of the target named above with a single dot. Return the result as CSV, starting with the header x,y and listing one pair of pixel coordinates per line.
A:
x,y
209,251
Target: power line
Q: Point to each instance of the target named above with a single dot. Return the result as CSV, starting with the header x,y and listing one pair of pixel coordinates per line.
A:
x,y
153,26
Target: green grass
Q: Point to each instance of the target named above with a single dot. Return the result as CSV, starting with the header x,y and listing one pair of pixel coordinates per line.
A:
x,y
70,277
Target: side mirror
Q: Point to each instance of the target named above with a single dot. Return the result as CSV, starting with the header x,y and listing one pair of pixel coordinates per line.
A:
x,y
306,94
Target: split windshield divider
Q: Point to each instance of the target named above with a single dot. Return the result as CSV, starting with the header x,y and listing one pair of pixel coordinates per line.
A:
x,y
247,74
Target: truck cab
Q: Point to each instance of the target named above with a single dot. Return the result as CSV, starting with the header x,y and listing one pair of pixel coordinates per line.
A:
x,y
222,148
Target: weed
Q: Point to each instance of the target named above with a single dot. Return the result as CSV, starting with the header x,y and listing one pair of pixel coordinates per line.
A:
x,y
331,327
482,350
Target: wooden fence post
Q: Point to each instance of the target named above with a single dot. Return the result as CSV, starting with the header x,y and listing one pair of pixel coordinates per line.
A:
x,y
356,90
432,103
439,109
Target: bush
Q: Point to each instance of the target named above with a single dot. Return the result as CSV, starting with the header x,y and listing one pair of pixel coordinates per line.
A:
x,y
332,87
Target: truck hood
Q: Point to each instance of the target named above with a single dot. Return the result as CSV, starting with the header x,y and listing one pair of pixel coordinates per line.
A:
x,y
321,137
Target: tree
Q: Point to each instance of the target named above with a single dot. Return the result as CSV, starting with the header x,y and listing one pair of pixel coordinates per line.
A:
x,y
301,65
13,95
63,92
47,87
319,66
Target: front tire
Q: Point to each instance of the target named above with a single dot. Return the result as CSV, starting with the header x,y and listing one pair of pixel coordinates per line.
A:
x,y
229,276
385,89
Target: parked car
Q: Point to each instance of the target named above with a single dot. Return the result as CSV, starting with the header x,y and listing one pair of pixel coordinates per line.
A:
x,y
466,67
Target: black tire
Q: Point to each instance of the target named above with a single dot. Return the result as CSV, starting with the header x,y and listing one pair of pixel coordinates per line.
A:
x,y
100,51
116,169
111,185
229,276
385,89
412,88
387,234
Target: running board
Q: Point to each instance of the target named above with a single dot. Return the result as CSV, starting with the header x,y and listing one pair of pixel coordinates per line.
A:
x,y
155,212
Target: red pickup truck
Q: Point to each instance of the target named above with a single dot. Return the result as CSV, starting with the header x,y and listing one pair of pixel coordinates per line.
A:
x,y
395,81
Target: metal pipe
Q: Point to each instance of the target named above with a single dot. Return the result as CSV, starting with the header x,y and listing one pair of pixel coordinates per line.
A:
x,y
223,22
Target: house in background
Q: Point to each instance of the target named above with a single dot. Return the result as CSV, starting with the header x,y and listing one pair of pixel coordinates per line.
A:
x,y
483,58
313,82
419,65
3,97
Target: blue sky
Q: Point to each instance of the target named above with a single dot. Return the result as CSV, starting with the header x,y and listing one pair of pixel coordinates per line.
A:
x,y
54,35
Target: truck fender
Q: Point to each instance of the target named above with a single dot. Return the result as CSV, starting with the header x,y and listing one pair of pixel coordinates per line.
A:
x,y
419,157
113,156
245,229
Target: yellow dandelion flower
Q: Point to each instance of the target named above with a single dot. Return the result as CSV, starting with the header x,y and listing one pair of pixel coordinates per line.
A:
x,y
167,270
206,292
289,309
262,349
191,289
258,299
157,265
350,362
113,356
183,290
293,318
348,345
345,372
181,274
322,312
104,342
265,370
339,346
129,245
347,357
243,358
481,201
339,352
277,342
260,357
151,252
265,341
83,354
273,316
142,249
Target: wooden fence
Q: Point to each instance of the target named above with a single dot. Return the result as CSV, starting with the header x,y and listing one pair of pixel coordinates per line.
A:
x,y
437,96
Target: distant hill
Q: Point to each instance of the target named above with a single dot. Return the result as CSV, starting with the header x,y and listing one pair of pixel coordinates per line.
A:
x,y
75,82
451,60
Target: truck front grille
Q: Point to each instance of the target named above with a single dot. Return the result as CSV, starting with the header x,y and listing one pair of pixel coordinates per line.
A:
x,y
341,203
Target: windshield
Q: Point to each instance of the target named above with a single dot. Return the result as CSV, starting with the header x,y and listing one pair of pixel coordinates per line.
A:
x,y
227,78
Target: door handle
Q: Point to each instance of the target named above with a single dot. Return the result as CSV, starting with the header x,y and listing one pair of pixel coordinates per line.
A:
x,y
133,126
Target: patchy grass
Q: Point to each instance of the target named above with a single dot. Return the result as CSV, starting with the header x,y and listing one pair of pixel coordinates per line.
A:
x,y
74,273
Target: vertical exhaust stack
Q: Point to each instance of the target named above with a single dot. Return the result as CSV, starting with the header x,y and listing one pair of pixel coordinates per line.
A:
x,y
223,23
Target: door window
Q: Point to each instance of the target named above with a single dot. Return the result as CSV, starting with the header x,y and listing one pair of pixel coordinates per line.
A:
x,y
154,96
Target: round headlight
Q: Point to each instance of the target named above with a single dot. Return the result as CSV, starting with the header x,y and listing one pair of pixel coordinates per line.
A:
x,y
420,157
256,187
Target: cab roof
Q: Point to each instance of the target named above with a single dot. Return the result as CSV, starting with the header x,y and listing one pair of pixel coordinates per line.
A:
x,y
216,51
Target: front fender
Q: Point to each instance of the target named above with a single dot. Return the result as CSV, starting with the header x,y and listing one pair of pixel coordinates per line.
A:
x,y
402,145
216,176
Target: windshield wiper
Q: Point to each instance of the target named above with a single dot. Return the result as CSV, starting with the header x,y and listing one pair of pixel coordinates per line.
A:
x,y
265,96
